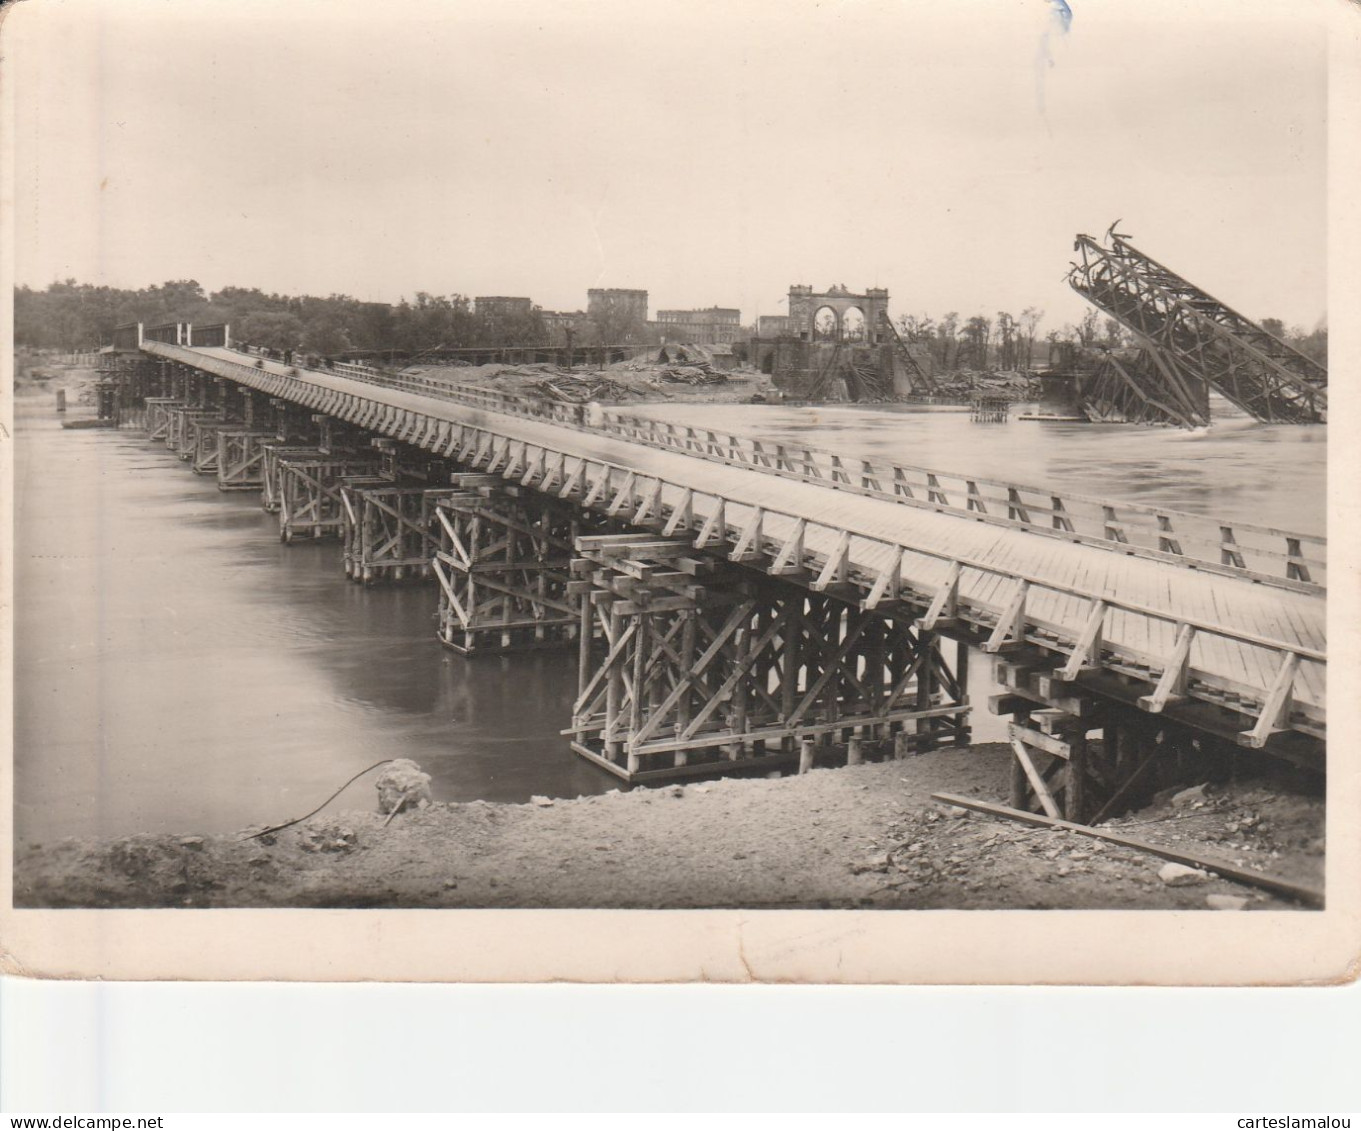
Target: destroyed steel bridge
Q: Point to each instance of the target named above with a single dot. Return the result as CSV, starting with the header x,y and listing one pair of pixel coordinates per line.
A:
x,y
1188,343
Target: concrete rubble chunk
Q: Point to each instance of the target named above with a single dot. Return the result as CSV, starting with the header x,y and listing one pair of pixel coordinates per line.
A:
x,y
402,784
1226,902
1188,797
541,801
876,863
328,836
1180,876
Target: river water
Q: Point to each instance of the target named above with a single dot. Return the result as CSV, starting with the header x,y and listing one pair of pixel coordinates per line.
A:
x,y
179,669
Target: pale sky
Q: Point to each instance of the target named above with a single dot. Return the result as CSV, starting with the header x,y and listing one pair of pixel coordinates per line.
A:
x,y
710,151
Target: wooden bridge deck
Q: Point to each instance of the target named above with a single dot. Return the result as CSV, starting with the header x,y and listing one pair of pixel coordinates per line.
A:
x,y
1247,639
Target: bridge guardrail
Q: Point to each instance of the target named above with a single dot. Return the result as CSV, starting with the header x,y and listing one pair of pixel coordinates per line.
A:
x,y
1278,557
1264,552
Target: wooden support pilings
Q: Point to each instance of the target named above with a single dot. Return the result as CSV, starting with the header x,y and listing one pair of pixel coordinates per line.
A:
x,y
989,410
273,453
203,445
124,383
310,503
159,416
1079,756
181,437
241,457
502,563
390,531
696,667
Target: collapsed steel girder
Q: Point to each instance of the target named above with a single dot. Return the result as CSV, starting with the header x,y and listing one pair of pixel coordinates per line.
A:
x,y
1195,337
1133,388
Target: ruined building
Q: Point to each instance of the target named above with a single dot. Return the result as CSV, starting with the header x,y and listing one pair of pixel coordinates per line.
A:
x,y
837,315
835,345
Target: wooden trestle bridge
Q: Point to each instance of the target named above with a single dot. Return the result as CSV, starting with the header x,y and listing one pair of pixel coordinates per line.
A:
x,y
739,604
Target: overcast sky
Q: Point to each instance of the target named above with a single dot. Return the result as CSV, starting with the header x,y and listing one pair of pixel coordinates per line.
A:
x,y
710,151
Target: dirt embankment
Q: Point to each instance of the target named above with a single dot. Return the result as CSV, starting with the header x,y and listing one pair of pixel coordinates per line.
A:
x,y
38,375
863,836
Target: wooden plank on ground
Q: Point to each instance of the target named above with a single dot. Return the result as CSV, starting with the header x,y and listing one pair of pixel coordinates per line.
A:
x,y
1220,866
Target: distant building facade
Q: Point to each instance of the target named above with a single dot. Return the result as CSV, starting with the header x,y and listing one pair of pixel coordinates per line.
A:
x,y
772,325
502,306
618,314
712,326
558,322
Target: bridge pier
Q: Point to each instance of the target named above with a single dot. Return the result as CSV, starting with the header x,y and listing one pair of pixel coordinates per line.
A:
x,y
502,561
203,443
121,390
1082,756
390,531
241,457
301,436
181,437
159,416
690,665
310,504
273,453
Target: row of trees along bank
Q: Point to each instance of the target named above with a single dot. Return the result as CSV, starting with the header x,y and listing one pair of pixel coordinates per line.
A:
x,y
71,316
1008,342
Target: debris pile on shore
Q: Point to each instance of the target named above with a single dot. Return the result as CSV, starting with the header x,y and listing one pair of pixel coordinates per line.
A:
x,y
639,380
965,383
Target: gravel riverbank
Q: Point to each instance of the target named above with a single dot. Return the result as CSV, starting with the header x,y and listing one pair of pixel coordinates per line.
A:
x,y
861,836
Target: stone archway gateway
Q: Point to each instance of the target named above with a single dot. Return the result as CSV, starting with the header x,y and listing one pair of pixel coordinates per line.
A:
x,y
826,324
806,306
853,325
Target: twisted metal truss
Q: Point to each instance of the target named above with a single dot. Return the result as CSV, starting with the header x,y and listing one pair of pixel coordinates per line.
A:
x,y
1138,387
1194,337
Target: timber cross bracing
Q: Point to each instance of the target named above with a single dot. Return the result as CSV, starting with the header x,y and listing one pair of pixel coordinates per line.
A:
x,y
1197,337
1179,637
691,663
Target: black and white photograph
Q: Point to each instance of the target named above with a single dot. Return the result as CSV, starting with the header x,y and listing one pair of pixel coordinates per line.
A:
x,y
859,457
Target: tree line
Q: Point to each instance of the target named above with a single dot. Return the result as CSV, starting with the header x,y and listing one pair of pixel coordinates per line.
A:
x,y
1008,342
74,316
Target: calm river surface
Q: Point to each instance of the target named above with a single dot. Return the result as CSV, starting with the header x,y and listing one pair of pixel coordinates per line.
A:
x,y
179,669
